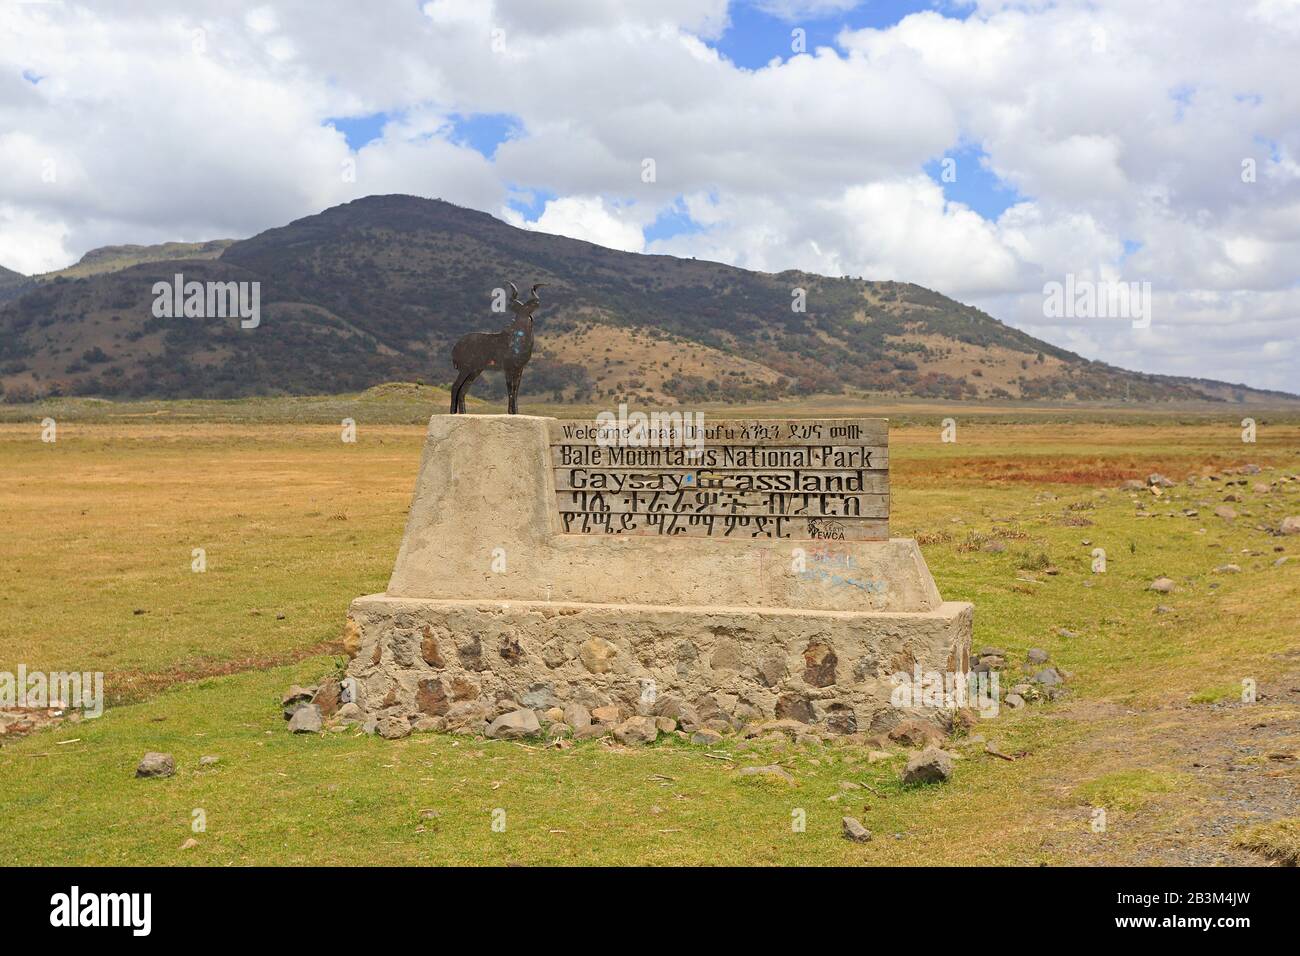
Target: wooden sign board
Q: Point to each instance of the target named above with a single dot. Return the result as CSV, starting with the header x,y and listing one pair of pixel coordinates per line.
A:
x,y
815,480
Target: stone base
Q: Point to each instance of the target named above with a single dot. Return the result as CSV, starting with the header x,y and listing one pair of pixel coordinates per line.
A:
x,y
466,661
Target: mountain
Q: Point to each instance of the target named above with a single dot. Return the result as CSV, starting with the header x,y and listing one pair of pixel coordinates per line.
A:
x,y
12,284
116,258
378,289
110,259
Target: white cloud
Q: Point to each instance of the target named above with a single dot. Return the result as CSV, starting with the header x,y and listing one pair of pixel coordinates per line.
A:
x,y
1118,123
589,218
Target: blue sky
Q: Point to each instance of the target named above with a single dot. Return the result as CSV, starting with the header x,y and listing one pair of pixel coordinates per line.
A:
x,y
754,36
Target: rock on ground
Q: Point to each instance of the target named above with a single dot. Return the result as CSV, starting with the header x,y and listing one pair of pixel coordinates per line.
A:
x,y
636,730
931,765
154,764
305,720
577,716
855,831
1163,585
771,770
393,728
517,723
295,694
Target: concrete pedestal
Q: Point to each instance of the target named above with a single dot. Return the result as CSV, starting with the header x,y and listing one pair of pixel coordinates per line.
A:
x,y
491,606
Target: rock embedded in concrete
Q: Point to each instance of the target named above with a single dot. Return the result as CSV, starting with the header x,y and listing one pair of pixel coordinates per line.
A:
x,y
349,713
328,696
819,665
431,649
431,697
598,655
916,733
540,696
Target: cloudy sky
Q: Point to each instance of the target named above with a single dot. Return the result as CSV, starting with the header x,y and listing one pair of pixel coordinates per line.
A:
x,y
978,147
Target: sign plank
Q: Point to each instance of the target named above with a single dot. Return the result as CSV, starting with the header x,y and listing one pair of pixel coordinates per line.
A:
x,y
825,431
726,503
820,479
726,526
874,482
746,457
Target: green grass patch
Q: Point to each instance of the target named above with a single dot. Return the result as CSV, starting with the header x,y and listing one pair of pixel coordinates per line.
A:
x,y
1128,789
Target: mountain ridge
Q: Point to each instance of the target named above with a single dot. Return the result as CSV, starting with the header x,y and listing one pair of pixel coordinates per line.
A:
x,y
377,289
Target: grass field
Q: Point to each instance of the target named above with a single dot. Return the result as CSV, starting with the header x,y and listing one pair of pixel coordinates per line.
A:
x,y
99,534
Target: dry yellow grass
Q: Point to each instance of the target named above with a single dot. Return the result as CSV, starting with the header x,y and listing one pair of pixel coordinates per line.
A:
x,y
296,522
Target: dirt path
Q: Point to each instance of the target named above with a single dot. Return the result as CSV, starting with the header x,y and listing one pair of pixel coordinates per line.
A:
x,y
1232,764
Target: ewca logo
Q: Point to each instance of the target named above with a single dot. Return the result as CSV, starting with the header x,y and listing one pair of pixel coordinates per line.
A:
x,y
103,909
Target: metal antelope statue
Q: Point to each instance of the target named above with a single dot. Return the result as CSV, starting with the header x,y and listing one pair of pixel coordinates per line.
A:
x,y
508,350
